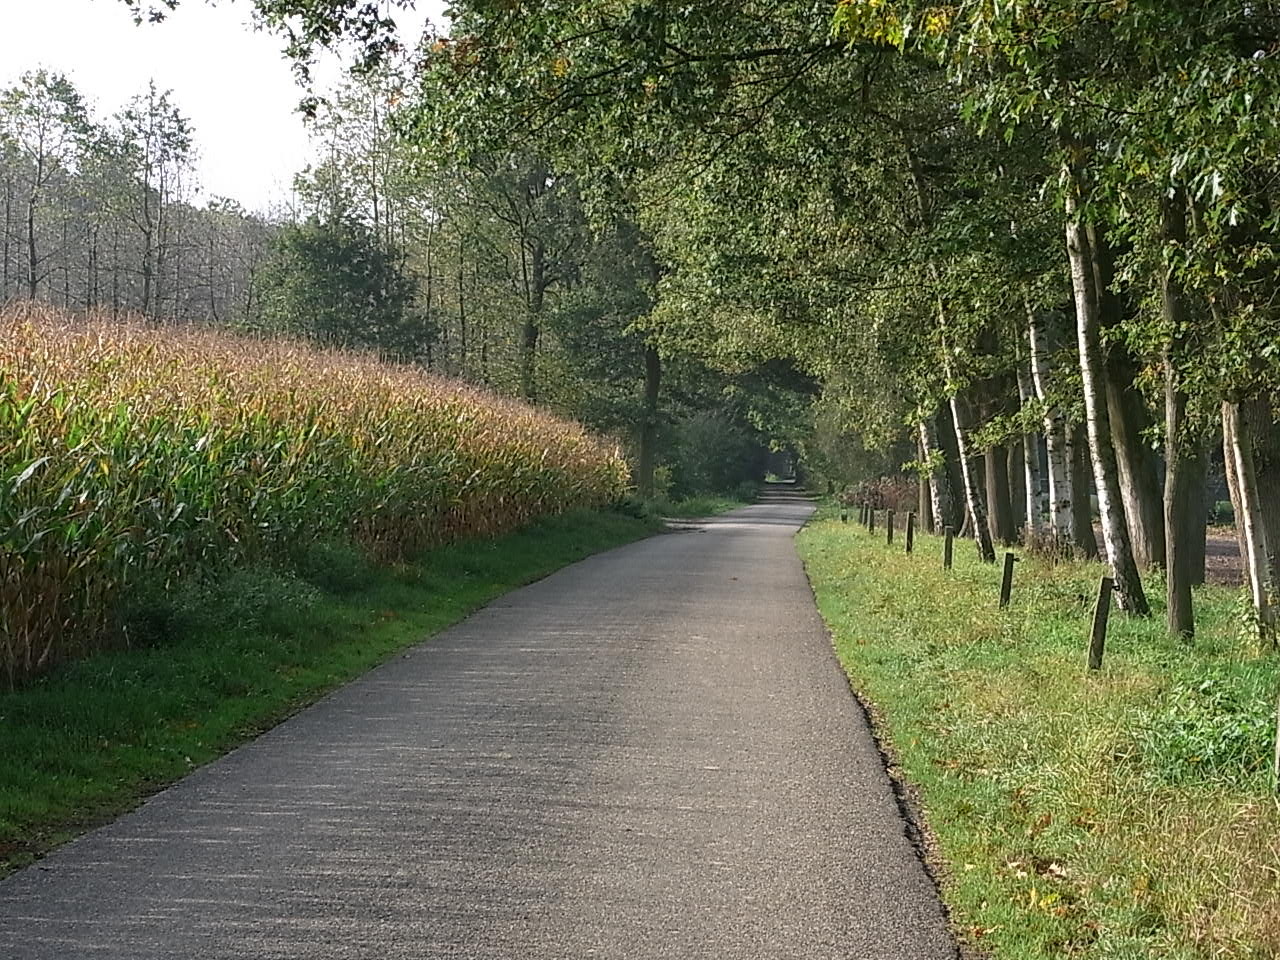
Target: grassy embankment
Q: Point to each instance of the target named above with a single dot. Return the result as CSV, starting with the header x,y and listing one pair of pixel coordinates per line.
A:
x,y
1123,814
199,533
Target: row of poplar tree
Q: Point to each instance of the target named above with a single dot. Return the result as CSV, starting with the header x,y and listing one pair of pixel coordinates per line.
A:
x,y
100,214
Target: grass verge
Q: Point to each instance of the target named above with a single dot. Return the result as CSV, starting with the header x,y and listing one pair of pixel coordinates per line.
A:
x,y
1118,815
703,505
233,656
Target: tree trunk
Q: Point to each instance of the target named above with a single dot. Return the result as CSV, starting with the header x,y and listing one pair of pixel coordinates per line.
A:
x,y
1183,504
972,494
1238,445
1233,491
1085,540
532,326
1018,488
953,509
1135,461
1057,432
1124,569
940,508
1184,458
1266,461
999,499
33,261
649,424
1129,417
1030,505
924,500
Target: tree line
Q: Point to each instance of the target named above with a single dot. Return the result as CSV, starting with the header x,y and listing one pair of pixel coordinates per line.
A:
x,y
1038,234
1017,247
101,214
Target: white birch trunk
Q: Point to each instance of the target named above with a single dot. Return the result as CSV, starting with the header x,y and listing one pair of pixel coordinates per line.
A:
x,y
1057,436
1238,447
938,498
1032,509
1115,531
973,496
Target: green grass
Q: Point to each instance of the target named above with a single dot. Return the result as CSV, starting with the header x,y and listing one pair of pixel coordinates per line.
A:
x,y
1120,815
702,505
229,658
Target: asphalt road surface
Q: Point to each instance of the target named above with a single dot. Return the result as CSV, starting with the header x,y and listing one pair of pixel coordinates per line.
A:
x,y
652,753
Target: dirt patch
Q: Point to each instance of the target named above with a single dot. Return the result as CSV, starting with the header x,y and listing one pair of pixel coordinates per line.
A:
x,y
1223,564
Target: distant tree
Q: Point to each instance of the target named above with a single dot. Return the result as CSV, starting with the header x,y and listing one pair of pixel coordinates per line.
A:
x,y
43,120
157,145
336,283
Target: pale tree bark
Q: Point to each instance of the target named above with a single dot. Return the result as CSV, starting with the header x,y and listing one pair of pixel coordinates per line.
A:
x,y
1128,415
973,495
1115,533
1057,432
976,508
939,486
1031,505
1238,445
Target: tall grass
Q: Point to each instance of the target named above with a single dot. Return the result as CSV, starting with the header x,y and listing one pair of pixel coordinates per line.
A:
x,y
133,455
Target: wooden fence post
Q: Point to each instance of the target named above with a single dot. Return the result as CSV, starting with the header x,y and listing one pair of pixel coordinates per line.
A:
x,y
871,520
947,547
911,531
1006,585
1098,639
888,526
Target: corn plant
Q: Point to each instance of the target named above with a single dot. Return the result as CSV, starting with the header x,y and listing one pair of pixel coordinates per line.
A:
x,y
130,454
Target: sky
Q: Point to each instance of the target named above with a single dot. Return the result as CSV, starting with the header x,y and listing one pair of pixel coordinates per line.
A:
x,y
231,82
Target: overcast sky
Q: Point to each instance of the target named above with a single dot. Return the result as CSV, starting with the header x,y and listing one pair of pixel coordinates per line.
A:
x,y
231,82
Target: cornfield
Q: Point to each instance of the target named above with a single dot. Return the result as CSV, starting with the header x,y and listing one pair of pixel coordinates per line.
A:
x,y
131,454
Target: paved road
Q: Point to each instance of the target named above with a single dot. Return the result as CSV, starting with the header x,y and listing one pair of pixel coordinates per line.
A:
x,y
650,754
